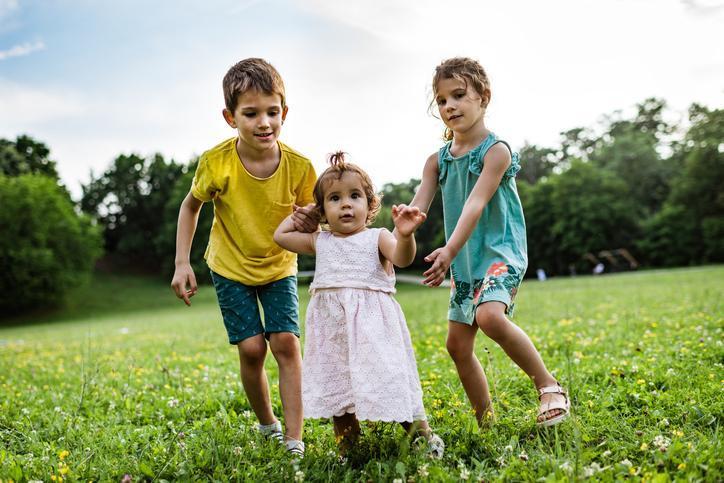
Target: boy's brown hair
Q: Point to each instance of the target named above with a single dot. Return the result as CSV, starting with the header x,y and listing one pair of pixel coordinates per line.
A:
x,y
251,74
338,167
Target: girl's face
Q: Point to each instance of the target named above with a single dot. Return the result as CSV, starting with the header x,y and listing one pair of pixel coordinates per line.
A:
x,y
345,205
460,106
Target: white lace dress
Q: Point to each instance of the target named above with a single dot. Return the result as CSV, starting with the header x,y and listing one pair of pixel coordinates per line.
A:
x,y
358,356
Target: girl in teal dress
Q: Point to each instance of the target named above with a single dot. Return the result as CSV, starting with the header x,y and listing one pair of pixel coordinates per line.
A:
x,y
485,248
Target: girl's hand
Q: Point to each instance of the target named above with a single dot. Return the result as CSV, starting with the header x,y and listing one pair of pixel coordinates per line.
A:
x,y
441,260
305,218
407,219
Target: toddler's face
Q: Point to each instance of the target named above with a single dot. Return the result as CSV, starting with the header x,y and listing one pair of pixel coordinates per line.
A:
x,y
345,205
459,105
258,119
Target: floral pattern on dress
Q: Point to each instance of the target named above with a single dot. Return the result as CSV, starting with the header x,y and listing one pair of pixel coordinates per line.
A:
x,y
499,275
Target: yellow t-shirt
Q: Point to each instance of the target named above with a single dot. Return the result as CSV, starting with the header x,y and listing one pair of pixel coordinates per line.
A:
x,y
247,211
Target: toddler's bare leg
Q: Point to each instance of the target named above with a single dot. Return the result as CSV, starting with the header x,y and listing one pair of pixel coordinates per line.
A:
x,y
346,431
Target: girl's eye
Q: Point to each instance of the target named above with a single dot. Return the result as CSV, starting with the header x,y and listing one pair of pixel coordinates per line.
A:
x,y
355,196
459,95
334,198
441,102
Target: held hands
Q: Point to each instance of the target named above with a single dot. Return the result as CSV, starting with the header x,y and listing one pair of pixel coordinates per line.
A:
x,y
407,219
184,277
305,218
441,260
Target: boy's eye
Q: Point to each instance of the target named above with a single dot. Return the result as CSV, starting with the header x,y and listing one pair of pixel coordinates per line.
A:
x,y
273,113
249,114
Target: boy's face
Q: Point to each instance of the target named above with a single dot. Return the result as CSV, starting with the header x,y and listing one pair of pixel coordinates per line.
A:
x,y
258,119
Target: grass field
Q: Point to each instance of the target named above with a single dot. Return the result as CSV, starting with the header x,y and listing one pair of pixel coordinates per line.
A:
x,y
127,382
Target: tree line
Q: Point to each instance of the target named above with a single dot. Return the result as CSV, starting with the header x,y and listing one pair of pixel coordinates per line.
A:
x,y
639,183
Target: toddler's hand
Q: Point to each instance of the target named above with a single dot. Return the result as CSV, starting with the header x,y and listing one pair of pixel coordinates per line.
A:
x,y
305,218
441,260
184,277
407,219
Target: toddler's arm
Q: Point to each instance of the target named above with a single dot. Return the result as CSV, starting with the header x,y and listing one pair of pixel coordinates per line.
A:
x,y
496,162
287,237
184,280
400,248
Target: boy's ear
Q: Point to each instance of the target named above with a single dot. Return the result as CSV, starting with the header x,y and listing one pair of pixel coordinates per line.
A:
x,y
284,112
229,118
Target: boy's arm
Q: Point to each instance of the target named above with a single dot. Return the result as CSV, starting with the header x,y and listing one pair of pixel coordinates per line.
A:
x,y
184,280
287,237
496,162
400,248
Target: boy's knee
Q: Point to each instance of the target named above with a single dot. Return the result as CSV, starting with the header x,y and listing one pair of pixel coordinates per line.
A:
x,y
252,352
491,320
285,346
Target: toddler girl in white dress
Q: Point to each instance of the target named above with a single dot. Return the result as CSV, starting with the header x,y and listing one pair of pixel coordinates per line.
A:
x,y
358,359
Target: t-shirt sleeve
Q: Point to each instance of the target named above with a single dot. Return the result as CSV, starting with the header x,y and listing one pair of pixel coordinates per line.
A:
x,y
203,187
305,191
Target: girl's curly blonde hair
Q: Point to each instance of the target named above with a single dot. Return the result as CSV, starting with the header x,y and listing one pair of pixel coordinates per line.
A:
x,y
338,166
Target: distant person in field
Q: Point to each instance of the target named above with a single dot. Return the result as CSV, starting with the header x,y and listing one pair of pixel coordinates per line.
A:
x,y
254,181
358,359
485,248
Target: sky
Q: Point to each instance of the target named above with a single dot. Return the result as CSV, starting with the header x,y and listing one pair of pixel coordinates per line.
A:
x,y
96,79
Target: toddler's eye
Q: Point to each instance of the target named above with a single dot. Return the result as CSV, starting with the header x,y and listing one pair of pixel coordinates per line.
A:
x,y
334,198
355,196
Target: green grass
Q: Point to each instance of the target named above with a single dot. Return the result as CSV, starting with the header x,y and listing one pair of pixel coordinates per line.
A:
x,y
128,381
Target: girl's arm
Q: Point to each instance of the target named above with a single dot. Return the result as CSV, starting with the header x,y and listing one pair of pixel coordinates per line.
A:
x,y
399,248
287,237
428,186
496,162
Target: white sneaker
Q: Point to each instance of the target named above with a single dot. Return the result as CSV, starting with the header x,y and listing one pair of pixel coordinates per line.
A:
x,y
272,431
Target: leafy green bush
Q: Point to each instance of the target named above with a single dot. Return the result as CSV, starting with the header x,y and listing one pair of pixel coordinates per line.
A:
x,y
46,247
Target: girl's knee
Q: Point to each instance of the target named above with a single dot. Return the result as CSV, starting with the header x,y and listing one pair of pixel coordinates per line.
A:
x,y
458,349
490,317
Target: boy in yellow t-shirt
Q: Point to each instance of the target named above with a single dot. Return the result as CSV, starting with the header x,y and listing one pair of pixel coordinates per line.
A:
x,y
255,182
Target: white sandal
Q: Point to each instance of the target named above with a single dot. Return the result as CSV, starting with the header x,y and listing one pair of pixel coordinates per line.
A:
x,y
563,406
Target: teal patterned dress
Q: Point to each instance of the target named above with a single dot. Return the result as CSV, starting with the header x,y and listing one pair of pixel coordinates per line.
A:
x,y
490,266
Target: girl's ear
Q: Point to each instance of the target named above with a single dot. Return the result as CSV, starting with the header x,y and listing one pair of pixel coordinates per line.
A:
x,y
485,99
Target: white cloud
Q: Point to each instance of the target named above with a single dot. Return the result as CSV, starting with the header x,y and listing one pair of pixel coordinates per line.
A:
x,y
22,49
22,107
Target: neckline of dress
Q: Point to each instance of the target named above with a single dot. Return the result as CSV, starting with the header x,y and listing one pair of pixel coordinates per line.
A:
x,y
449,156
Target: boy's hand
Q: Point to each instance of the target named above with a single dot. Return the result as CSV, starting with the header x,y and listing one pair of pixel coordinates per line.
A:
x,y
407,219
441,260
184,277
305,218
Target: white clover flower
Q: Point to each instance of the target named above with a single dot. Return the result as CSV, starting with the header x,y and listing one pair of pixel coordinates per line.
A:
x,y
566,467
662,442
422,471
626,463
299,476
172,402
591,469
606,453
464,474
26,411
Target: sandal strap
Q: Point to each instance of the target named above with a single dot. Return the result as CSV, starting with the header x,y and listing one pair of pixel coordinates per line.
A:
x,y
564,406
557,389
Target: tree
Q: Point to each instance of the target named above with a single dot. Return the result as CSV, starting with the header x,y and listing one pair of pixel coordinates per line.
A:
x,y
128,200
46,247
536,162
26,156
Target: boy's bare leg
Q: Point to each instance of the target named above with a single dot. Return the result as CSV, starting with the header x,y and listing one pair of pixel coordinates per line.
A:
x,y
460,346
346,431
491,319
286,350
252,352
